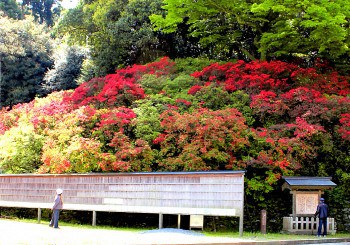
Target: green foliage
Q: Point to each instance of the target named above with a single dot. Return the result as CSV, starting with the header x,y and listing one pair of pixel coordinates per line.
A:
x,y
11,9
224,27
25,57
213,97
318,27
262,29
178,86
71,24
118,32
152,84
190,65
68,62
147,124
241,101
43,11
87,71
340,201
20,150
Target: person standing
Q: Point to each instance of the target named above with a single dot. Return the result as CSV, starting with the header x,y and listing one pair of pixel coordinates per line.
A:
x,y
322,212
57,206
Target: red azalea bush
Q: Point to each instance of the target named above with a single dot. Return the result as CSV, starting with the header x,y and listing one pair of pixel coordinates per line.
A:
x,y
275,76
208,137
119,89
344,129
8,119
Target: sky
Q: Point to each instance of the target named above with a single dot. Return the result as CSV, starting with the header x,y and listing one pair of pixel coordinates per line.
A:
x,y
69,3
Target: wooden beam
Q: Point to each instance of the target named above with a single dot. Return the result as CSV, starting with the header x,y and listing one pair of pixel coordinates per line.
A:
x,y
93,218
160,226
39,215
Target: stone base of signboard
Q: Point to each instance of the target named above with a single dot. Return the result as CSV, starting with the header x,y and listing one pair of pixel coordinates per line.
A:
x,y
306,225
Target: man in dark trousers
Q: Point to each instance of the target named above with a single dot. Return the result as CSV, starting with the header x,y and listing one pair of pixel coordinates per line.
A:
x,y
322,212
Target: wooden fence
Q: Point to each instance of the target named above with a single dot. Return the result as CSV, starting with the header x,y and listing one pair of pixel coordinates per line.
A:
x,y
212,193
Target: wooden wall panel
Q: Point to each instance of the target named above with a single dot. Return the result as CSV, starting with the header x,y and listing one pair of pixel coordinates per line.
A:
x,y
216,193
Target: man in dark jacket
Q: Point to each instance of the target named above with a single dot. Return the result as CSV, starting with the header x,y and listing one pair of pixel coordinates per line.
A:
x,y
322,212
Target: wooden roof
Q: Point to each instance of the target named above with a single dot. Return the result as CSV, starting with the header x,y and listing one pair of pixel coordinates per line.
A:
x,y
307,183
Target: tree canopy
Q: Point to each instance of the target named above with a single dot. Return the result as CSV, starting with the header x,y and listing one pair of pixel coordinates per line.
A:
x,y
119,33
11,9
43,11
25,56
265,29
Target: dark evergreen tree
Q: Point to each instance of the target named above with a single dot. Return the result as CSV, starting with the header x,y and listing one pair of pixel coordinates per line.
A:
x,y
11,9
44,11
25,55
68,62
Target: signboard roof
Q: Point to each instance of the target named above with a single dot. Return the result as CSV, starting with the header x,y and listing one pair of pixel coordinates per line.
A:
x,y
306,182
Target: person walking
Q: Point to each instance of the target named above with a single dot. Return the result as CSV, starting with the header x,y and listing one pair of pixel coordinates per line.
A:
x,y
322,212
57,206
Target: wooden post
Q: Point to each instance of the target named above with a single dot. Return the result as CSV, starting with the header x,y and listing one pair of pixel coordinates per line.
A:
x,y
263,222
93,218
39,215
294,208
241,225
178,221
160,221
242,210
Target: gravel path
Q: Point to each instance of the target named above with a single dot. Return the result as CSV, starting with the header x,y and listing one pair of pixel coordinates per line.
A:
x,y
13,232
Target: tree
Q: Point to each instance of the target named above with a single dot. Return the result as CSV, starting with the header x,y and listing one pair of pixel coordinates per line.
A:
x,y
226,28
25,57
263,29
119,33
68,62
11,9
43,11
311,28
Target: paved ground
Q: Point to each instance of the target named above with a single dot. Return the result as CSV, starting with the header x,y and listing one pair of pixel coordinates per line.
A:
x,y
15,233
12,232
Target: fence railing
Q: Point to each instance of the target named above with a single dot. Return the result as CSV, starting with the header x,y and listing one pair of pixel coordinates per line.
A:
x,y
306,225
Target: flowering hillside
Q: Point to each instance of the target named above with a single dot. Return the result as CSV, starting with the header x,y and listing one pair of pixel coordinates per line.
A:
x,y
268,118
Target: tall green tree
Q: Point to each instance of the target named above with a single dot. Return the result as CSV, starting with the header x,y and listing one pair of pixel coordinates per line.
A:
x,y
25,52
44,11
226,27
119,33
304,27
68,61
263,29
11,9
